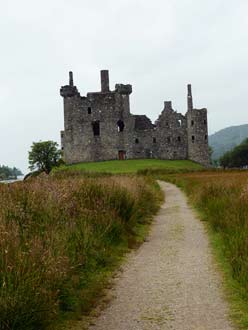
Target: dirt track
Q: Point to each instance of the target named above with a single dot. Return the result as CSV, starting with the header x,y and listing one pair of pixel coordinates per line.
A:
x,y
171,281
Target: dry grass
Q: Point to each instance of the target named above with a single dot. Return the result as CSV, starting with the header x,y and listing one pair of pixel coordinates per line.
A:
x,y
59,238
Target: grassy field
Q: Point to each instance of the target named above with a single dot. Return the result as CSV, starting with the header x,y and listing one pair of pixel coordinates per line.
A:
x,y
60,239
134,165
221,198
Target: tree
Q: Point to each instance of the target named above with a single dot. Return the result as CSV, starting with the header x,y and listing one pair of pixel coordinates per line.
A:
x,y
9,173
44,155
238,157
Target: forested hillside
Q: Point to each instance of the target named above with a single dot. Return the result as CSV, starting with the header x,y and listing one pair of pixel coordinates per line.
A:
x,y
9,173
226,139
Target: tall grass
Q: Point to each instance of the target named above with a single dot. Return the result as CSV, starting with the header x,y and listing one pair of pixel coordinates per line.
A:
x,y
222,199
59,237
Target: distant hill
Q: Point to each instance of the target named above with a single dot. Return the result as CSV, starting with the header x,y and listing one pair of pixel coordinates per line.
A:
x,y
226,139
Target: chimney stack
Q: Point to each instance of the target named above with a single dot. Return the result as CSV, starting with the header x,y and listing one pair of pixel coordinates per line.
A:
x,y
71,78
104,81
167,105
190,98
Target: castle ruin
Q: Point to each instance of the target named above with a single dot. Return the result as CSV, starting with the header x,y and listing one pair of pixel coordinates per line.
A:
x,y
99,126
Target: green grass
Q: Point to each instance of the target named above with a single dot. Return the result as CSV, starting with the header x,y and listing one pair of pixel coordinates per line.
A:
x,y
133,165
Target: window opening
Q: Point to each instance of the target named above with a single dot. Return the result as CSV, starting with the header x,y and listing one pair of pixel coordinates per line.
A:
x,y
179,138
136,141
96,128
205,122
192,122
89,110
193,138
120,126
168,139
154,140
206,137
179,122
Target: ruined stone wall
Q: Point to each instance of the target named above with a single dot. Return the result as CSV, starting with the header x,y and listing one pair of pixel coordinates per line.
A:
x,y
100,126
171,134
198,149
92,124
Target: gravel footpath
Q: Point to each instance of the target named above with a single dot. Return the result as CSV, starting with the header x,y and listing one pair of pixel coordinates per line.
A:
x,y
171,281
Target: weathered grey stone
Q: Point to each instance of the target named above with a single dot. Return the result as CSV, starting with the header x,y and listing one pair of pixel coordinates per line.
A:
x,y
104,81
99,126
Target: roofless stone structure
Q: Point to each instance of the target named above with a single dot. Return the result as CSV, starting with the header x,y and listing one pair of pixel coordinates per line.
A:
x,y
99,126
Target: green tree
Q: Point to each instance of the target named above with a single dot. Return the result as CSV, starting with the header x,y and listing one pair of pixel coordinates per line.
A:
x,y
44,155
9,173
237,157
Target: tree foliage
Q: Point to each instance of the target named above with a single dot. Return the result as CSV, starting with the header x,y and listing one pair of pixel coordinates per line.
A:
x,y
44,155
9,173
237,157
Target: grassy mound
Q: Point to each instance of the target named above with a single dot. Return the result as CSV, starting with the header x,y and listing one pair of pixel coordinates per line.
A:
x,y
133,165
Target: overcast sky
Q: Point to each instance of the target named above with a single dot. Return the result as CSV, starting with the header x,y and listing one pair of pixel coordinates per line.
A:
x,y
157,46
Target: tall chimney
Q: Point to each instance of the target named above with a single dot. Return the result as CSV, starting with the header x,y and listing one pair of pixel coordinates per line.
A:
x,y
104,81
190,98
71,78
167,105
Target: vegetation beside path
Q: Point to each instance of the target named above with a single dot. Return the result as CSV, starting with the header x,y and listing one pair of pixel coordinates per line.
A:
x,y
221,197
60,239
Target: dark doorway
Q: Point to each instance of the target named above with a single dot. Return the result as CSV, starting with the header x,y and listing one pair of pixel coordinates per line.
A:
x,y
96,128
122,154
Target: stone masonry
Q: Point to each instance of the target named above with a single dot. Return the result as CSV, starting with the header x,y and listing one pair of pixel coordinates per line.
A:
x,y
99,126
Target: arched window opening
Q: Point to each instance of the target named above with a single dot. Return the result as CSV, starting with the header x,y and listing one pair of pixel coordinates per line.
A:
x,y
96,128
193,138
192,122
167,124
179,122
179,138
89,110
136,141
154,140
206,137
120,126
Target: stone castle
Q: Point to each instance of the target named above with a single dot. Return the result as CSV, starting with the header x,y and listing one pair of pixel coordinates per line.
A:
x,y
99,126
